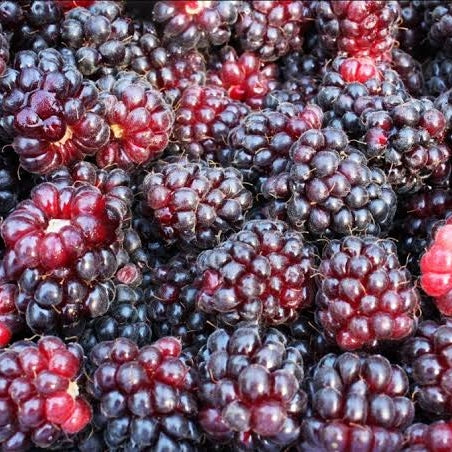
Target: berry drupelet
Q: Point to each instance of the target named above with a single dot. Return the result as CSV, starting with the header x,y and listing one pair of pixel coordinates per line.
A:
x,y
407,142
436,268
140,123
329,190
358,403
435,437
63,244
145,396
45,105
40,402
427,358
204,117
195,204
250,387
272,29
196,24
263,273
358,28
365,296
245,78
259,146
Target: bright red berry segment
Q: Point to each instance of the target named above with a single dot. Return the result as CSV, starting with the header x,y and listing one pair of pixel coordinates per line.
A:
x,y
365,296
245,78
40,401
70,4
10,320
436,269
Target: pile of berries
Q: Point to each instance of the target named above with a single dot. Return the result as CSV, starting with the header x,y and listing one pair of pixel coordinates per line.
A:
x,y
226,225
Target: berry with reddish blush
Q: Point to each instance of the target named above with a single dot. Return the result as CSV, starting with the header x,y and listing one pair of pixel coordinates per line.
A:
x,y
40,401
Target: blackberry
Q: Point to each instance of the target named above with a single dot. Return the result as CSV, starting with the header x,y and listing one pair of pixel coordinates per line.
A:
x,y
14,186
46,106
438,77
259,146
145,396
302,72
204,117
40,28
438,16
155,246
365,296
196,24
250,389
358,29
245,78
307,338
413,29
353,86
272,29
140,122
264,273
171,70
410,71
436,437
126,317
420,214
171,301
436,268
4,50
275,98
98,34
357,402
426,357
444,104
195,204
63,246
407,141
40,395
329,190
